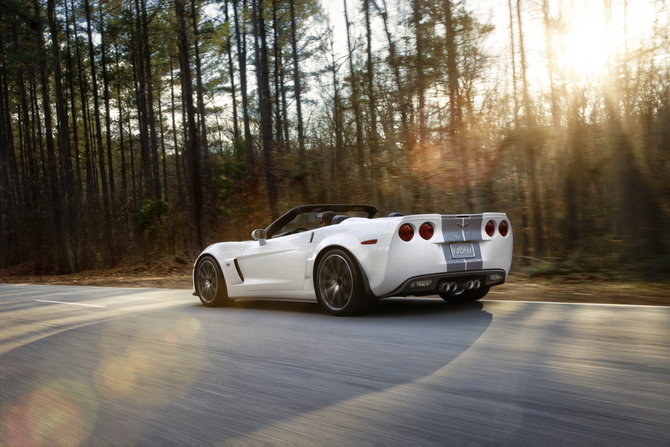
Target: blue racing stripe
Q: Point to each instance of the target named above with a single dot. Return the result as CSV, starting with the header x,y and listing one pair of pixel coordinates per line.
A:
x,y
453,265
476,263
473,230
462,229
451,231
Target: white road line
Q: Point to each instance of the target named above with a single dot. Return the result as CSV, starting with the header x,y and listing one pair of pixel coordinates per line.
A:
x,y
74,304
567,303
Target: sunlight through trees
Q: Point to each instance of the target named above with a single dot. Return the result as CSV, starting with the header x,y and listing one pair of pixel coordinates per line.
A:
x,y
144,128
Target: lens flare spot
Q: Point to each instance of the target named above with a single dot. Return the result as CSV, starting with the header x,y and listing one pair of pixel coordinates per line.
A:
x,y
117,377
188,328
140,362
171,338
44,417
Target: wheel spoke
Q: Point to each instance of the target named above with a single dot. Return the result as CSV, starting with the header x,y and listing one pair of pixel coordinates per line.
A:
x,y
207,281
329,272
335,282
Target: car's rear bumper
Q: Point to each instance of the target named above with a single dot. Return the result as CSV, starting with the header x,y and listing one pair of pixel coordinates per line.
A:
x,y
432,284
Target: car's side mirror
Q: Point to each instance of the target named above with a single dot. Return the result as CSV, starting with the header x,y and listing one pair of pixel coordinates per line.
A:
x,y
260,236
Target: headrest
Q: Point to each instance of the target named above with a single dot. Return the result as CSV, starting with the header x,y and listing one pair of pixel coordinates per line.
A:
x,y
339,218
396,215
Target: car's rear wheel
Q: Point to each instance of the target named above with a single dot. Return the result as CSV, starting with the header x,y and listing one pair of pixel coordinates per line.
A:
x,y
466,296
210,284
339,284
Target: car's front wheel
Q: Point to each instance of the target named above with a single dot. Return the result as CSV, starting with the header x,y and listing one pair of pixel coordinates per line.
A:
x,y
209,283
467,296
339,284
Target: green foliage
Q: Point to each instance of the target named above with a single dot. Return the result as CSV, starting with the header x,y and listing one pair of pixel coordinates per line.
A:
x,y
150,216
228,181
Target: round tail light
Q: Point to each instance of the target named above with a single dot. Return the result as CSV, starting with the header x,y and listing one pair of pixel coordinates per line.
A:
x,y
426,230
406,232
490,228
503,228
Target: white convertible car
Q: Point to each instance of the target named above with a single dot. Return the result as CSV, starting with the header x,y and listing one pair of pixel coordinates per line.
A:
x,y
350,264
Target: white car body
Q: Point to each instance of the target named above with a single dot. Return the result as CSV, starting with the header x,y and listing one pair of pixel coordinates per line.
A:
x,y
284,267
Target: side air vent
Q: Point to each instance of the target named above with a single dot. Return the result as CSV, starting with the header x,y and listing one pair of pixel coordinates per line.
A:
x,y
239,272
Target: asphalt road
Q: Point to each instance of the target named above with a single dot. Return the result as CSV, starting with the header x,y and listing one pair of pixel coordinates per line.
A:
x,y
101,366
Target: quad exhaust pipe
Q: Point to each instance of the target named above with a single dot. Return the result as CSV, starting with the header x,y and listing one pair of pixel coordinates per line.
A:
x,y
473,284
449,286
453,286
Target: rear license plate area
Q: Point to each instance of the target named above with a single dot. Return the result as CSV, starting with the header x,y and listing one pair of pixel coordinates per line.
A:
x,y
462,250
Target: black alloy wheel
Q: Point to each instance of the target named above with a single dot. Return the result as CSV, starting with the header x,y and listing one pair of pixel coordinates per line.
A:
x,y
209,283
339,284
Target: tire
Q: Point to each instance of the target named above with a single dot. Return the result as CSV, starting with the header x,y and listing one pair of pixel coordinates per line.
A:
x,y
467,296
210,284
339,284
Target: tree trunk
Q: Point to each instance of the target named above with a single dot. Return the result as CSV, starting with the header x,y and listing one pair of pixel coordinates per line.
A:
x,y
105,94
98,128
231,70
265,104
192,144
200,92
394,63
73,107
163,153
420,75
279,135
67,180
91,189
151,114
139,74
338,125
355,100
373,139
173,109
531,147
530,122
302,163
514,82
551,64
52,162
241,37
9,242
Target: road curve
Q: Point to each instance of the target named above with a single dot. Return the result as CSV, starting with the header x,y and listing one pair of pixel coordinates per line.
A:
x,y
111,366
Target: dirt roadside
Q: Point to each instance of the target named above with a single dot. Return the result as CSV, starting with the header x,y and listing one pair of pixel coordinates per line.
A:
x,y
176,274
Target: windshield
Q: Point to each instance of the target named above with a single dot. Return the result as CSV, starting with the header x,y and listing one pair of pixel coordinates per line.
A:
x,y
308,217
304,221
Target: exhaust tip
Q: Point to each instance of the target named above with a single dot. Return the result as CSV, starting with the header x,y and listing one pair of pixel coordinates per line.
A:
x,y
449,286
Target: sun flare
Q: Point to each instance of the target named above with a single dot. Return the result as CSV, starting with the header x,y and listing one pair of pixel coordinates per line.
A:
x,y
586,44
584,50
592,37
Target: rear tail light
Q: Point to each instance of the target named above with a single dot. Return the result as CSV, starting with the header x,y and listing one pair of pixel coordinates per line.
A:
x,y
426,230
503,228
490,228
406,232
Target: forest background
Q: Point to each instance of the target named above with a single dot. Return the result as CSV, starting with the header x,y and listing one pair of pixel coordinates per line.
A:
x,y
139,129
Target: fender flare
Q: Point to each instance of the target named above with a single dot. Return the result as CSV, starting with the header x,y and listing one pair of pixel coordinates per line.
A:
x,y
364,276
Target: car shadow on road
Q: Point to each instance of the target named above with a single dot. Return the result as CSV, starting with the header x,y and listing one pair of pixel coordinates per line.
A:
x,y
282,364
390,307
